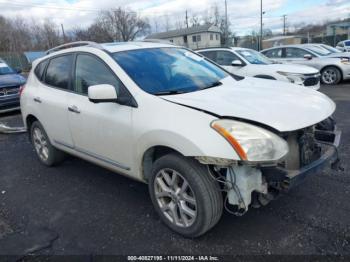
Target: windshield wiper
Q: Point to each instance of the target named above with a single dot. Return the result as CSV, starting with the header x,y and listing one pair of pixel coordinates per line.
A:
x,y
218,83
171,92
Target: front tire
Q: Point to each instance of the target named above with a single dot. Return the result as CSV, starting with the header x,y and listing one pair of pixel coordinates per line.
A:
x,y
185,196
47,154
331,75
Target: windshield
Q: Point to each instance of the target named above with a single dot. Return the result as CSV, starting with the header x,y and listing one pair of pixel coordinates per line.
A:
x,y
161,71
319,50
347,43
254,57
5,70
331,49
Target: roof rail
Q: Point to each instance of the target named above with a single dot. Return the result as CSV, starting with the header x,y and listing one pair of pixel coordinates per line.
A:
x,y
73,44
158,41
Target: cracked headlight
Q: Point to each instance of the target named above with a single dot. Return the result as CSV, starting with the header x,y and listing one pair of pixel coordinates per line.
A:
x,y
293,77
250,142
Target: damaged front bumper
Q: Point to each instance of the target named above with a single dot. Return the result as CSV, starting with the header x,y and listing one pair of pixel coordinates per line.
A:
x,y
5,129
257,185
285,179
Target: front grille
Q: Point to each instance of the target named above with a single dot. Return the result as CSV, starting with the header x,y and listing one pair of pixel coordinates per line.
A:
x,y
312,81
10,90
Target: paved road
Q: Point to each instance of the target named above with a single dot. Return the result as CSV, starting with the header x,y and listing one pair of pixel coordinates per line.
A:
x,y
79,208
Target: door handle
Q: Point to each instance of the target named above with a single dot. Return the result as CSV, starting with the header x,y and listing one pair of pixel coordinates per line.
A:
x,y
74,109
37,99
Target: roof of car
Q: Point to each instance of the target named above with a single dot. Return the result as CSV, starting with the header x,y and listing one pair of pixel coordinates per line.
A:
x,y
109,47
124,46
221,48
284,46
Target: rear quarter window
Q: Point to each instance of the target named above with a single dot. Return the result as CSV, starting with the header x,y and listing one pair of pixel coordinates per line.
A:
x,y
39,69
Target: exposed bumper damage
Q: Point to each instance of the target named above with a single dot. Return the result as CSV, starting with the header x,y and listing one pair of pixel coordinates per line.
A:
x,y
311,150
4,129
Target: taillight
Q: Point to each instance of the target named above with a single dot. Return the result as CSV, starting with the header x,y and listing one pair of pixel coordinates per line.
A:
x,y
21,89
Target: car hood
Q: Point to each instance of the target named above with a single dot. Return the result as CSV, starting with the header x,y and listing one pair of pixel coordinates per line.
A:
x,y
294,69
282,106
11,80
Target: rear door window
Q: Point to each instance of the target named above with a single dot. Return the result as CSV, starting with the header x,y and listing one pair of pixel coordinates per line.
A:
x,y
296,53
209,54
273,53
226,58
58,72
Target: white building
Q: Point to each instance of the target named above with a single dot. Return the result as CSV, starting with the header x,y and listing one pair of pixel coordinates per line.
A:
x,y
194,37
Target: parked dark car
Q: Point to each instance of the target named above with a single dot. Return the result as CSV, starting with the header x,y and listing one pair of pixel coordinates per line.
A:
x,y
10,83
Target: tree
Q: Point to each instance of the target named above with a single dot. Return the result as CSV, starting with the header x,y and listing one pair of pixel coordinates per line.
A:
x,y
122,25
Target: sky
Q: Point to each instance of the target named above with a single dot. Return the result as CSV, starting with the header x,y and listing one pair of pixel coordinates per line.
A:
x,y
243,14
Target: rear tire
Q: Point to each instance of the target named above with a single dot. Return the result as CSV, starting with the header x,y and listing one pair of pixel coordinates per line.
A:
x,y
186,197
331,75
47,154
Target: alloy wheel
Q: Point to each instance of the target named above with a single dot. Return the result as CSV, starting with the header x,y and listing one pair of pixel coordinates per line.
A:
x,y
175,198
40,144
329,76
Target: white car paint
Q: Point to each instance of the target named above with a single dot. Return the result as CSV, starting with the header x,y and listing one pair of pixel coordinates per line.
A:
x,y
119,137
319,58
271,70
245,100
343,46
173,125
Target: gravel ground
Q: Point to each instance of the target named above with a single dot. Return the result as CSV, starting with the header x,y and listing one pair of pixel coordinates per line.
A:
x,y
80,209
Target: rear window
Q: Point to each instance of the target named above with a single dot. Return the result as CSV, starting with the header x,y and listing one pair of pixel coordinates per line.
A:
x,y
39,70
59,71
347,43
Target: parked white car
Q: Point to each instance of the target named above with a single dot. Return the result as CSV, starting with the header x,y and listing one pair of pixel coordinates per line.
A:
x,y
328,51
344,46
166,116
333,69
248,62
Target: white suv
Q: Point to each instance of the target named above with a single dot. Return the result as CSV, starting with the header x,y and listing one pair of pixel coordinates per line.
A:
x,y
166,116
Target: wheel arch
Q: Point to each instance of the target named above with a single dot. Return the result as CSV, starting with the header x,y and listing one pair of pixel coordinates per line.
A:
x,y
151,155
29,120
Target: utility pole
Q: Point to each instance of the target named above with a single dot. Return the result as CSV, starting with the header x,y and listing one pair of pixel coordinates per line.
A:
x,y
284,24
334,35
186,19
261,26
64,35
226,25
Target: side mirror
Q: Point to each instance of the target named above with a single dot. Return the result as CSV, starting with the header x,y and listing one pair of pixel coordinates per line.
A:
x,y
102,94
236,63
18,70
308,56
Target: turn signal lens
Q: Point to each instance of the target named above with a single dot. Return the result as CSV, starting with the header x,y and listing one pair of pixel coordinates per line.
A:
x,y
251,143
234,143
